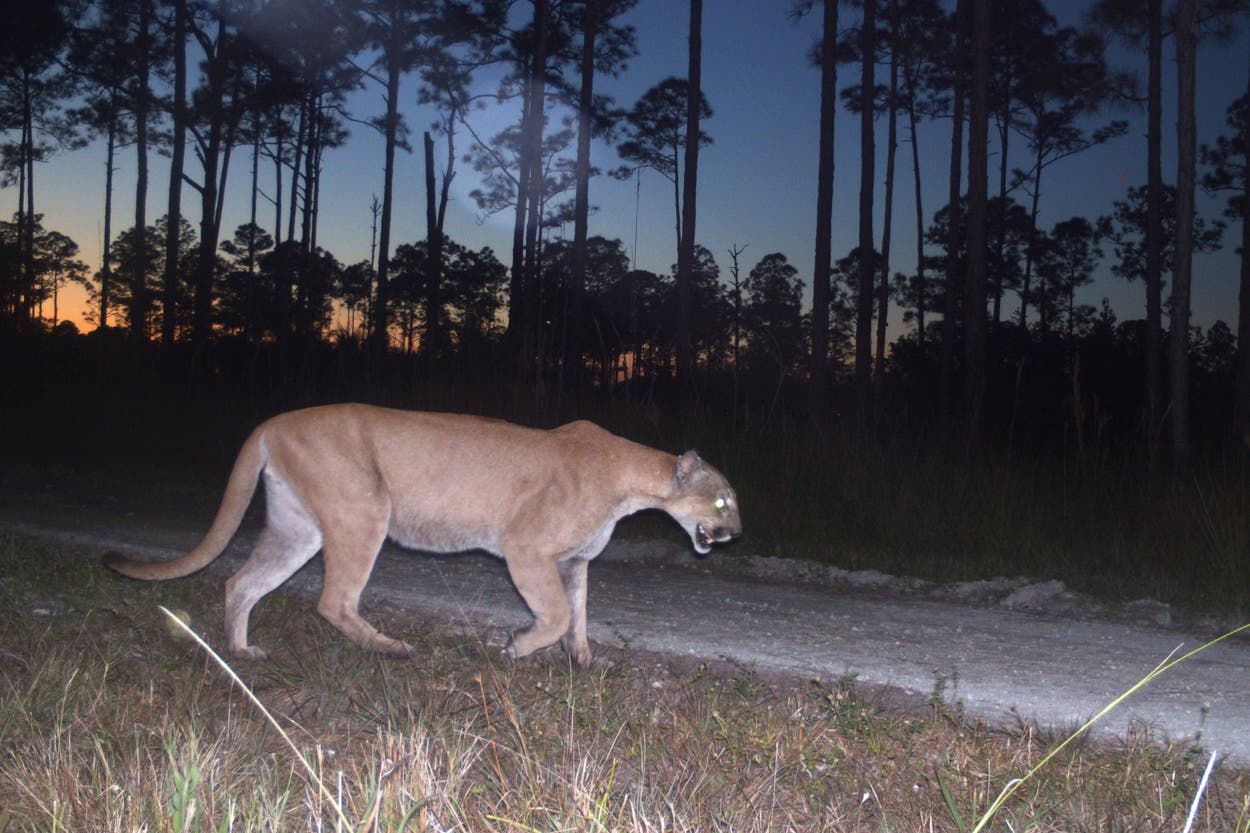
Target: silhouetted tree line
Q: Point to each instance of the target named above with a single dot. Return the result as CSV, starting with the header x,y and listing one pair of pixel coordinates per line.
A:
x,y
263,87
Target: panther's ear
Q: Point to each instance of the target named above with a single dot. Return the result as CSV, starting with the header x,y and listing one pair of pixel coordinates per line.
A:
x,y
687,466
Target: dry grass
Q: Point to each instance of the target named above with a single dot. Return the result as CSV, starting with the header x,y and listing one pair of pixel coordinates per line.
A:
x,y
107,723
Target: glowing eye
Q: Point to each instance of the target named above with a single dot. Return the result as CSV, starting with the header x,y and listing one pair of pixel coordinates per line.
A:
x,y
719,503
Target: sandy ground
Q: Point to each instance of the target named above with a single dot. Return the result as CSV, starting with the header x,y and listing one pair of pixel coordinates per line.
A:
x,y
1005,650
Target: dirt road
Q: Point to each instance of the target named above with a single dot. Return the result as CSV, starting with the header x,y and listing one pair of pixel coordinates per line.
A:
x,y
1001,665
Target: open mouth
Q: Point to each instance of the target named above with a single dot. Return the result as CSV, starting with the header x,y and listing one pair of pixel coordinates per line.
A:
x,y
702,539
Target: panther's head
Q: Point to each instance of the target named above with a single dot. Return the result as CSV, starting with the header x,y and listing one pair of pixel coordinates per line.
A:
x,y
704,503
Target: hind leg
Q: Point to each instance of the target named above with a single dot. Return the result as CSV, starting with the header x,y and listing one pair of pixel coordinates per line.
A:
x,y
573,574
351,550
290,538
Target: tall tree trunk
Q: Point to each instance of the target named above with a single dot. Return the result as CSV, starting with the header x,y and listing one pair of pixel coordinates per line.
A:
x,y
1026,286
1043,307
581,200
676,191
1186,162
143,99
734,253
279,133
974,296
26,316
1154,228
304,295
867,176
1004,137
887,220
921,287
16,302
317,148
449,173
249,318
1241,400
824,211
1071,340
433,261
18,298
309,163
210,234
210,148
301,138
531,341
106,265
946,379
685,254
282,278
516,284
177,159
444,197
391,130
227,150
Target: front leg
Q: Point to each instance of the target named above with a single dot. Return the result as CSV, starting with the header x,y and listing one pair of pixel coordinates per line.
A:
x,y
573,574
538,581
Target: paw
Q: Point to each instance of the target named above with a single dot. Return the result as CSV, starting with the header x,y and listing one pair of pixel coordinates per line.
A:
x,y
250,652
525,642
578,651
392,647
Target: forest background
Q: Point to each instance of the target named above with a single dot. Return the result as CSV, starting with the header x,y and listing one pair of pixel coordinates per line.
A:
x,y
967,398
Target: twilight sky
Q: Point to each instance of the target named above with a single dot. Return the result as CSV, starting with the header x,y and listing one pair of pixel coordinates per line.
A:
x,y
756,181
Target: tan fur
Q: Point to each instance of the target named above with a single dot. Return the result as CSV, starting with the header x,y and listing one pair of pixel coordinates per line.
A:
x,y
343,478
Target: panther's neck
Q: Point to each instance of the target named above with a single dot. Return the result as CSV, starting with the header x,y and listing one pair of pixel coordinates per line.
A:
x,y
647,479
